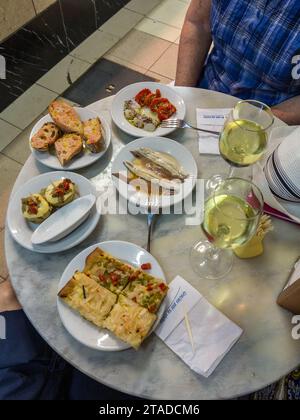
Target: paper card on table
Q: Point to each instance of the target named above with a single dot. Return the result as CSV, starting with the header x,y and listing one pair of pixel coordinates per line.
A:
x,y
181,298
210,119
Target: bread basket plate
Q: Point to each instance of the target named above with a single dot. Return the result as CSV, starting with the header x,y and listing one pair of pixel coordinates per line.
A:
x,y
80,161
22,231
84,331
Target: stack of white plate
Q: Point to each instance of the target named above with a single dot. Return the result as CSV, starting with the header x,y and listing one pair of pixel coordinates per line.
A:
x,y
283,170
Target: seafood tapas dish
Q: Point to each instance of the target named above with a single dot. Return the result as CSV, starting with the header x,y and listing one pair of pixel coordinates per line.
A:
x,y
154,171
148,109
140,108
156,168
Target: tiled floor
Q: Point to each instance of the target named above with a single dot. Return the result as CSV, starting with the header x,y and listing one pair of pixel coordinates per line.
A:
x,y
102,80
143,36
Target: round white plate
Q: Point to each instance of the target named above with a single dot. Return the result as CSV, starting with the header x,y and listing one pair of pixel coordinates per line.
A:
x,y
159,144
22,231
85,332
80,161
292,208
129,92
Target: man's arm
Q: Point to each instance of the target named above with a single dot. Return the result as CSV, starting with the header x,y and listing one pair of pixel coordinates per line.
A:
x,y
194,44
288,111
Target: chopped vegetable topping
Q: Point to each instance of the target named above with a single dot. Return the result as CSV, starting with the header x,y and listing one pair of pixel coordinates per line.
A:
x,y
62,188
162,287
84,293
146,266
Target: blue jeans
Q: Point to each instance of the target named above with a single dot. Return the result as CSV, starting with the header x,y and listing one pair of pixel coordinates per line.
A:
x,y
31,370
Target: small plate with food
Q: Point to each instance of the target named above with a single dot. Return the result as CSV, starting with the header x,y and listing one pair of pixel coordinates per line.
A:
x,y
112,296
140,108
154,172
44,197
69,138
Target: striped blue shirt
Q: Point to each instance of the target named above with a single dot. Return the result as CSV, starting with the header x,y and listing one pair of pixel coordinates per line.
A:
x,y
256,51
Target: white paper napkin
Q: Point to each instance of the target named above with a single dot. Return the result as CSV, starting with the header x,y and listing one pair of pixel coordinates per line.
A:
x,y
213,334
210,119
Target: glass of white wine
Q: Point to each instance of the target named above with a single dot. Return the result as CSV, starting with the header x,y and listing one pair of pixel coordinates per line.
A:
x,y
231,216
244,138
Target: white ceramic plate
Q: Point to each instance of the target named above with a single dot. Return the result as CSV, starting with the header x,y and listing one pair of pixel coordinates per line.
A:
x,y
129,92
160,144
64,221
259,178
22,231
84,331
80,161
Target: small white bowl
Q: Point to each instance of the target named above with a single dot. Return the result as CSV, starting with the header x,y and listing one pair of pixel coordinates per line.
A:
x,y
64,221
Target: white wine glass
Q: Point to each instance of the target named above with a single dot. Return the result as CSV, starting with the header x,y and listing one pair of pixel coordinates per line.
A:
x,y
231,216
244,138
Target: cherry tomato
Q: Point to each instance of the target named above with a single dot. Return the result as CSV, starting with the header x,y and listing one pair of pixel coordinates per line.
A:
x,y
157,102
166,111
141,96
149,98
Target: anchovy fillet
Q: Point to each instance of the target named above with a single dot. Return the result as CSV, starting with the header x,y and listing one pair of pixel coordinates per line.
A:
x,y
150,176
158,159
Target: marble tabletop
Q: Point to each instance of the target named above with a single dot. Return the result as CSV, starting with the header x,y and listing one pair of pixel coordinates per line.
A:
x,y
247,295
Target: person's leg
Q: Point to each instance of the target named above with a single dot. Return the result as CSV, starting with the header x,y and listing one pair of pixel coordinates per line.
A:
x,y
29,369
83,388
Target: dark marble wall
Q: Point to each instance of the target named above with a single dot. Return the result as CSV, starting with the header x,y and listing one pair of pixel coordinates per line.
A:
x,y
40,44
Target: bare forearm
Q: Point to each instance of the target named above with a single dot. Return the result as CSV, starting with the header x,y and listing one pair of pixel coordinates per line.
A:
x,y
194,44
288,111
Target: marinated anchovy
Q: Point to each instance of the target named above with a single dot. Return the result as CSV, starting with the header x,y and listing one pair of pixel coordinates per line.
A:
x,y
159,159
151,176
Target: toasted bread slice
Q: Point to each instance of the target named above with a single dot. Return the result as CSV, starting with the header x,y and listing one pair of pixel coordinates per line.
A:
x,y
130,322
92,132
91,300
67,147
65,117
108,271
45,137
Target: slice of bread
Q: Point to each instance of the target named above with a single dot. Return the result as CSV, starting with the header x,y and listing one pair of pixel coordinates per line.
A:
x,y
65,117
92,132
67,147
45,137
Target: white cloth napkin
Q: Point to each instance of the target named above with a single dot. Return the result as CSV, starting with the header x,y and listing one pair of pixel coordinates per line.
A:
x,y
210,119
213,335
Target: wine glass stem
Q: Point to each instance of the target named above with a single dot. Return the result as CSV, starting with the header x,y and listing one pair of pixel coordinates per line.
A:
x,y
231,171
